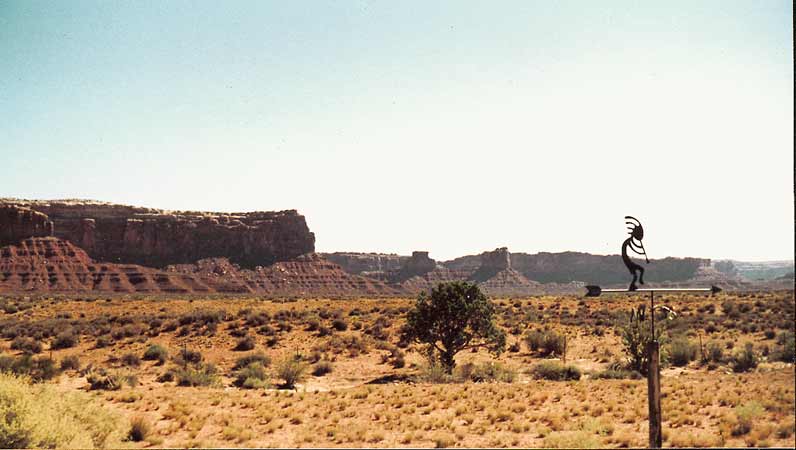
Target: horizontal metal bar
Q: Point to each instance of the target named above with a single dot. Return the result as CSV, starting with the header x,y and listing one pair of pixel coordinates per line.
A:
x,y
617,291
595,291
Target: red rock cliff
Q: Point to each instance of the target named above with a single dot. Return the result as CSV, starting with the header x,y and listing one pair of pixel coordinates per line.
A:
x,y
18,223
157,238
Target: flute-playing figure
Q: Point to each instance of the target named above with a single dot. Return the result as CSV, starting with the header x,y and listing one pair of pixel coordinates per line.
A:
x,y
634,242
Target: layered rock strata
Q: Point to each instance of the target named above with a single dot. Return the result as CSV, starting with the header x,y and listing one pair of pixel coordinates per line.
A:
x,y
157,238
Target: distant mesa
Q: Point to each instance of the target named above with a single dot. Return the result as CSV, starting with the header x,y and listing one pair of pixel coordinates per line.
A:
x,y
157,238
85,246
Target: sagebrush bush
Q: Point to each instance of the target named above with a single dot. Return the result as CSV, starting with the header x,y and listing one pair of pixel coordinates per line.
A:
x,y
291,371
71,362
744,360
682,351
186,356
131,359
489,371
251,376
37,369
546,342
39,416
245,343
196,375
555,371
613,374
322,368
257,357
157,353
66,339
26,345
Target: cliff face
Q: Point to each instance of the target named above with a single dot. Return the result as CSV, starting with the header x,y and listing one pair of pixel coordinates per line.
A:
x,y
18,223
361,263
156,238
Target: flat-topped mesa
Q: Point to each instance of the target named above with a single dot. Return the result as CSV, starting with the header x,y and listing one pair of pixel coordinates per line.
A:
x,y
157,238
18,223
492,263
360,263
417,265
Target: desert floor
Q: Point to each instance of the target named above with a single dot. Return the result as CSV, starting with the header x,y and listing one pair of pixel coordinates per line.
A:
x,y
381,395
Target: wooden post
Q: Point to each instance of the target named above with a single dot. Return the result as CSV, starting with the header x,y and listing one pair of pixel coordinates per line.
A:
x,y
654,395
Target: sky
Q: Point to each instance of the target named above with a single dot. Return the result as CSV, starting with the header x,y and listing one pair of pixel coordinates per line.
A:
x,y
453,126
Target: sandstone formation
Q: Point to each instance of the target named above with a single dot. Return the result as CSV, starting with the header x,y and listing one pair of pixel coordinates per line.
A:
x,y
53,265
18,223
156,238
361,263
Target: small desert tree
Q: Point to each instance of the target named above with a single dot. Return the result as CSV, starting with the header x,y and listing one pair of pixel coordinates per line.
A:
x,y
457,316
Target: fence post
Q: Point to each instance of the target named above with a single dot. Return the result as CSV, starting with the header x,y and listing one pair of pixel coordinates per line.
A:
x,y
654,395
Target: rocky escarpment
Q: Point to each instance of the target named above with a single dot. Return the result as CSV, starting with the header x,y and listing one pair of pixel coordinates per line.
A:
x,y
566,267
49,264
364,263
157,238
18,223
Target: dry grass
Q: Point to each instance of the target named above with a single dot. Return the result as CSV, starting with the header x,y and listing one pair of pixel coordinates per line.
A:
x,y
339,409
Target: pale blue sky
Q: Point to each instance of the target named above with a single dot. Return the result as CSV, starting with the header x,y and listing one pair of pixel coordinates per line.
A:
x,y
454,127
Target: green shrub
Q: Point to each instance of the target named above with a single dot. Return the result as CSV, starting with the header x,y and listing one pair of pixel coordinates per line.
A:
x,y
37,369
186,356
614,374
39,416
291,371
26,345
245,343
555,371
744,360
546,342
66,339
131,359
157,353
71,362
257,357
489,371
322,368
787,339
714,353
682,352
251,376
745,415
340,324
196,375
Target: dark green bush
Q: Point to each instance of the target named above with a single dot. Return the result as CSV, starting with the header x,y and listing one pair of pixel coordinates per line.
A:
x,y
322,368
744,360
252,376
66,339
71,362
26,345
546,342
245,343
682,352
257,357
157,353
131,359
555,371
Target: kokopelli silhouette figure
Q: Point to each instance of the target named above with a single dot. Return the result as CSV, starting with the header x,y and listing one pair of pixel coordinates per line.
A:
x,y
634,242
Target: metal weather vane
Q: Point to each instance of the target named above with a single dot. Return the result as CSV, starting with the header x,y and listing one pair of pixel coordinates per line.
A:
x,y
636,232
634,243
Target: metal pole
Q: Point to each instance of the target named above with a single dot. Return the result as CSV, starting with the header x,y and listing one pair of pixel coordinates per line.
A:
x,y
654,396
